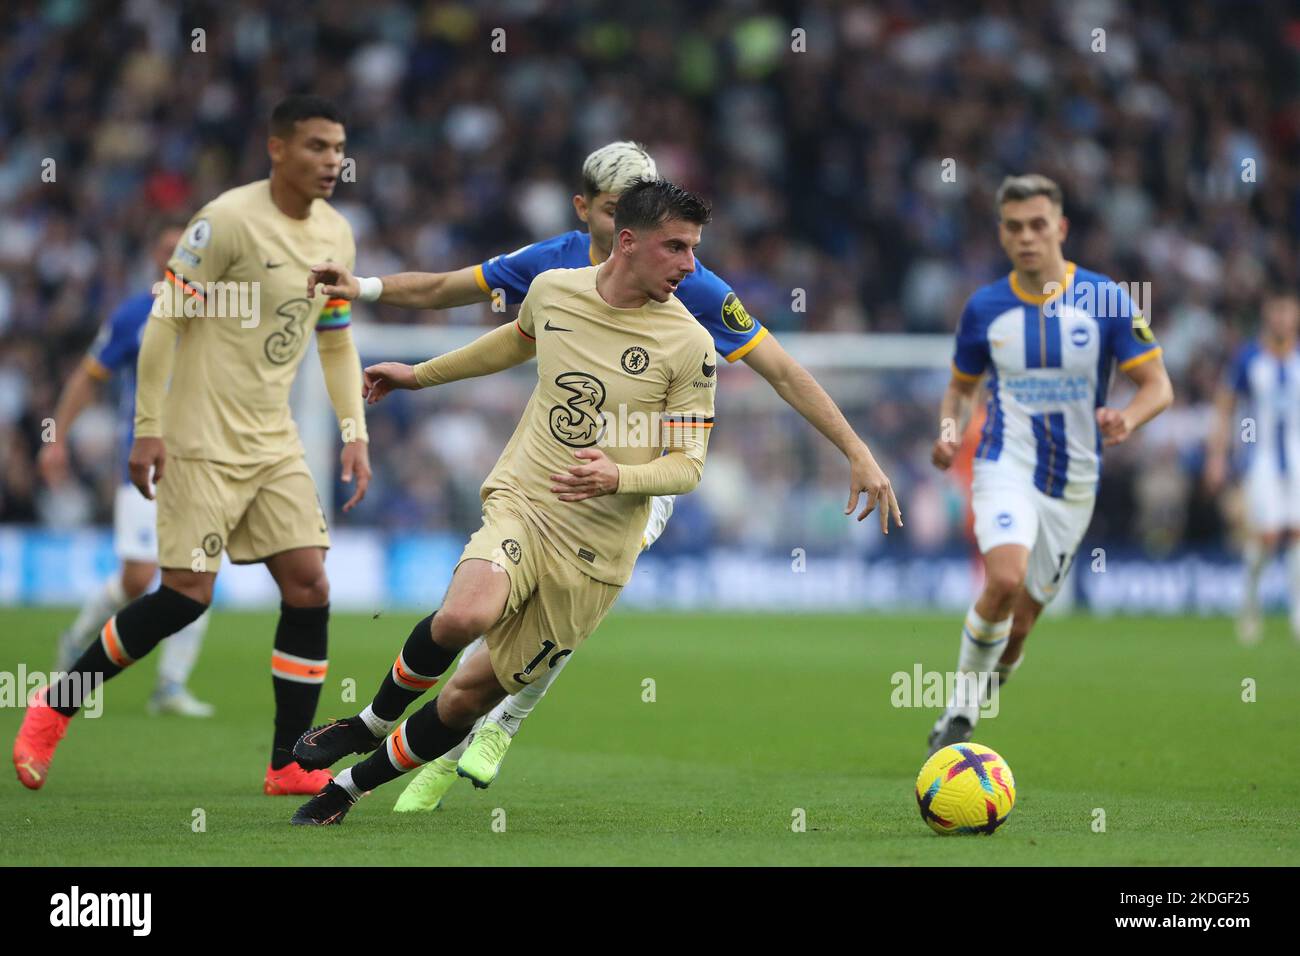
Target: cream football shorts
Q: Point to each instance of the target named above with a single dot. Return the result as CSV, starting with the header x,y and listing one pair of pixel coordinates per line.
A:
x,y
553,606
251,512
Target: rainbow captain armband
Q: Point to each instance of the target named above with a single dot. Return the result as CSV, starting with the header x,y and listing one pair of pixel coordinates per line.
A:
x,y
337,314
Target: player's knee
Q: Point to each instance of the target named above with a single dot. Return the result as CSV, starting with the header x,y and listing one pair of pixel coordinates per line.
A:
x,y
460,706
133,588
136,580
456,625
312,590
1003,583
194,585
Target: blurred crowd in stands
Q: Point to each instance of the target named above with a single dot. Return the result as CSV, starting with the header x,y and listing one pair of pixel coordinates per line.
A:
x,y
851,152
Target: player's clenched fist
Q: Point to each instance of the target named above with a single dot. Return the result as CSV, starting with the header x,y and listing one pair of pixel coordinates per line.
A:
x,y
943,454
336,281
379,380
1114,426
148,456
598,477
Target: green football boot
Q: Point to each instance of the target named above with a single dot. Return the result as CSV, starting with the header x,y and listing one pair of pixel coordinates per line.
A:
x,y
481,761
428,788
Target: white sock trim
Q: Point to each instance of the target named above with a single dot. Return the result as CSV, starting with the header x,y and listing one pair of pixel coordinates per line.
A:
x,y
982,643
986,633
344,780
378,726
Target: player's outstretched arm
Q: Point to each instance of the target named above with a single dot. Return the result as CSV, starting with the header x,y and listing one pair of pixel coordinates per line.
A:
x,y
1155,393
78,392
378,380
504,347
408,290
954,416
796,385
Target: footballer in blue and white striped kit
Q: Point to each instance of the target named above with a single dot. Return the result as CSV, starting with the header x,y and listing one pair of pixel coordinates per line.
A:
x,y
1045,337
1265,380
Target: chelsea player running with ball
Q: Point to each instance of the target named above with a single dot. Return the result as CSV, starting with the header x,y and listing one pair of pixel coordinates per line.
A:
x,y
559,540
736,335
1047,336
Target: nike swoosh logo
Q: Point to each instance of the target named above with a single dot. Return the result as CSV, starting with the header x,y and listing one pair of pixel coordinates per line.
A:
x,y
273,265
554,328
310,739
708,369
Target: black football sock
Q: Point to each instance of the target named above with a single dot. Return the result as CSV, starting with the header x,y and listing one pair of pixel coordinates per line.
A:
x,y
417,668
126,637
418,740
298,666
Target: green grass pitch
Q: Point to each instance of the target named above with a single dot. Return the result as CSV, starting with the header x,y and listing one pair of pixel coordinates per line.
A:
x,y
754,716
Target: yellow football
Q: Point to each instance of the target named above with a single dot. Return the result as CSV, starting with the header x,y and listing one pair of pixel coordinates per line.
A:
x,y
965,788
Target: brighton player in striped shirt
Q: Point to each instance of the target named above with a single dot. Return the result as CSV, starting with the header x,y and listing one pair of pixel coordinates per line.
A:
x,y
737,336
1265,377
1045,337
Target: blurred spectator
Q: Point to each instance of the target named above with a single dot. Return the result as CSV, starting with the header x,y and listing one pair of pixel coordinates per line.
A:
x,y
1173,128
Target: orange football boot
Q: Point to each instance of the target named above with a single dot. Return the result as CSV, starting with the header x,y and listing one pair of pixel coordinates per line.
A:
x,y
43,727
293,780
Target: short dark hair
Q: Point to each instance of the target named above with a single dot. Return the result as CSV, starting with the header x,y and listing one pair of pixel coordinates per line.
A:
x,y
647,203
301,106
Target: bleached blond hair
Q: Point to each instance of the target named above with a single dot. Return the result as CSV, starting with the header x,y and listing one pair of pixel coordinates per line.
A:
x,y
612,168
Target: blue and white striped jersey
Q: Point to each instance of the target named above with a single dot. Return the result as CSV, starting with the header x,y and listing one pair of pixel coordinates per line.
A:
x,y
1269,385
706,296
1049,360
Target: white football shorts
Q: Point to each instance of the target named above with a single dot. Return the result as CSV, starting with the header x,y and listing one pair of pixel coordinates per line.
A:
x,y
1272,498
1010,510
661,509
135,526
